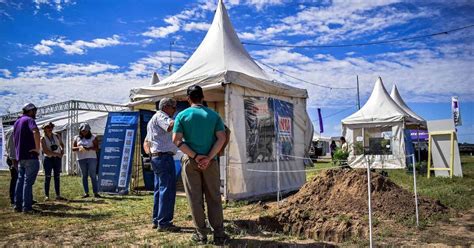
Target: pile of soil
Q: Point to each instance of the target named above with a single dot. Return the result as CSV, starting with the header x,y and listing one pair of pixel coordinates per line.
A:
x,y
333,206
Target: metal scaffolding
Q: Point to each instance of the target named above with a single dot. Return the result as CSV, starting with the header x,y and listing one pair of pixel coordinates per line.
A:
x,y
72,108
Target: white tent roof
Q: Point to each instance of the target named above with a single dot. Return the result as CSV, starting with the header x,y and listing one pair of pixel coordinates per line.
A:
x,y
220,58
398,99
380,108
96,120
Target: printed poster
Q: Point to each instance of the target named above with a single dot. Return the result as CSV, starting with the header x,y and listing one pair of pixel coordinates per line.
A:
x,y
116,154
265,120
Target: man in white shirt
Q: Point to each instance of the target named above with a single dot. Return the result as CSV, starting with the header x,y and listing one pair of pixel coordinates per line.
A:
x,y
161,150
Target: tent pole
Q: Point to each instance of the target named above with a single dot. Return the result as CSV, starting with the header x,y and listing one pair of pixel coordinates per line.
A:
x,y
369,200
227,149
418,148
414,188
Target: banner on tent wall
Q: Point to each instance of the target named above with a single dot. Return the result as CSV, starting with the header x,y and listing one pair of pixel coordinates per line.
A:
x,y
456,111
264,118
3,162
116,153
283,115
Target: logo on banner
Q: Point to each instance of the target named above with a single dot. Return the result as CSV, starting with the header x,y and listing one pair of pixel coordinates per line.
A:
x,y
284,125
456,111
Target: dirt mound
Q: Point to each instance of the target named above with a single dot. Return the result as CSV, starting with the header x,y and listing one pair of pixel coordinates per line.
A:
x,y
333,206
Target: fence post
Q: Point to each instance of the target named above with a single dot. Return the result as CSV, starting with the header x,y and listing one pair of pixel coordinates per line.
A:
x,y
414,188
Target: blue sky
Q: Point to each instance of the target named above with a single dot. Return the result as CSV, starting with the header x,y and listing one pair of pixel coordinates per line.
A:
x,y
58,50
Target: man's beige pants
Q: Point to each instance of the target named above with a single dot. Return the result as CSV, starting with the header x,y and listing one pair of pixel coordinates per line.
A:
x,y
198,183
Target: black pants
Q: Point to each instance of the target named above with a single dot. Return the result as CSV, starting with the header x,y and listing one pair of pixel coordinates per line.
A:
x,y
52,165
14,178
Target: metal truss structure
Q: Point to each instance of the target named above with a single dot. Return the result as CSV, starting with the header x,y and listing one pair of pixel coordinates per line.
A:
x,y
72,108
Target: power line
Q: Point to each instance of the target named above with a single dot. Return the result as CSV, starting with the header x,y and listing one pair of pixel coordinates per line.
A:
x,y
304,81
363,44
338,112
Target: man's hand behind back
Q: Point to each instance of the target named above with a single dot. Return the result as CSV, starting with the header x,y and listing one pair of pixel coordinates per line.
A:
x,y
203,161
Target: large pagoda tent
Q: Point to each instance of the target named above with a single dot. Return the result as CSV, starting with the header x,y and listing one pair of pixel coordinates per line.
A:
x,y
251,104
377,129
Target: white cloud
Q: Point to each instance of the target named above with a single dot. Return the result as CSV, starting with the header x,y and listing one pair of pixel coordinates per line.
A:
x,y
161,32
45,70
342,20
76,47
421,75
5,73
158,61
57,4
259,4
200,26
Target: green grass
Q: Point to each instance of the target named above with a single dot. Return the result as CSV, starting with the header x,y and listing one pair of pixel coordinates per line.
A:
x,y
125,220
456,193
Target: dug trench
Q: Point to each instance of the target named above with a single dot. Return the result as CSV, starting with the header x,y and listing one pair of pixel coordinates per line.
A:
x,y
333,207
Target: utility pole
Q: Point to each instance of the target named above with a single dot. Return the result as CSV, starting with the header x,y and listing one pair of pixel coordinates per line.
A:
x,y
170,67
358,96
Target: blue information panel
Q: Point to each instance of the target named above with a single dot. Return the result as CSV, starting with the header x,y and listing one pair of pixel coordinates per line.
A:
x,y
116,154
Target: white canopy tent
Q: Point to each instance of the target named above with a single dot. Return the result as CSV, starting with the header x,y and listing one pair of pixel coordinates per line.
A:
x,y
244,95
399,100
378,129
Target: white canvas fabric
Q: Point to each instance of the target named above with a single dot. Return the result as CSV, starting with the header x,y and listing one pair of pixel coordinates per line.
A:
x,y
399,100
220,58
379,108
227,74
380,111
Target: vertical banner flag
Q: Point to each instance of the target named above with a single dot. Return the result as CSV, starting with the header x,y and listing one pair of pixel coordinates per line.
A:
x,y
321,127
116,154
3,162
456,111
283,115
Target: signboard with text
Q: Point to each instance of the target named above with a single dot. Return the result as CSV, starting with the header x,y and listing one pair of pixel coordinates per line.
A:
x,y
116,154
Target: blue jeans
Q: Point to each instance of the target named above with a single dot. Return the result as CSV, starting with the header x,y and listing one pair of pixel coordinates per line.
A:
x,y
88,168
52,164
27,172
165,190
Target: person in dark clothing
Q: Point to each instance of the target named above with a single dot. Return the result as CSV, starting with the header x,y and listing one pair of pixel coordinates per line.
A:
x,y
12,165
26,138
333,148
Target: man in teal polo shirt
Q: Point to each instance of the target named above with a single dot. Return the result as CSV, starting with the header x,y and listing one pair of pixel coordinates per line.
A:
x,y
200,134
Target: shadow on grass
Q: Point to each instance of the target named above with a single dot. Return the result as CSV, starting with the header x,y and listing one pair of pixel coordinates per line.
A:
x,y
57,207
82,215
122,198
86,201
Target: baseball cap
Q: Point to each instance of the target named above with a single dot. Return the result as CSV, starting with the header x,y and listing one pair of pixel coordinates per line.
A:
x,y
195,91
84,126
28,107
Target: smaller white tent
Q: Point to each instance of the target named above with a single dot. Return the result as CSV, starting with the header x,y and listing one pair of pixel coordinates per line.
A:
x,y
399,100
377,129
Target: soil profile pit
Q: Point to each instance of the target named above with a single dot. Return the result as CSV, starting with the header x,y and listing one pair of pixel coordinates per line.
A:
x,y
333,206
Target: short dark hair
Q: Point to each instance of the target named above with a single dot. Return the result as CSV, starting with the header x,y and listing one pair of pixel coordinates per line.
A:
x,y
343,139
195,93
